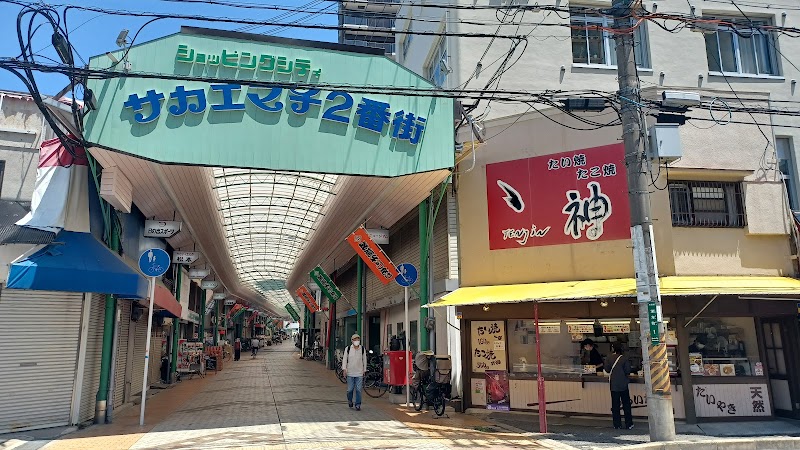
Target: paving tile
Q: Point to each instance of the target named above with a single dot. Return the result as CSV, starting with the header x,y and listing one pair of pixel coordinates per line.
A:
x,y
278,401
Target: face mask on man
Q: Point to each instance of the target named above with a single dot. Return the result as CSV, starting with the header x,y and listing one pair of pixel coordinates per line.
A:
x,y
356,342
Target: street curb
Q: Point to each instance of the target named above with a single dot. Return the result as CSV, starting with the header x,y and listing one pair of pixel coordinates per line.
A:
x,y
761,443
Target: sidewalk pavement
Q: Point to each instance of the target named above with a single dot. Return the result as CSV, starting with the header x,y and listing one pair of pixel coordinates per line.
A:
x,y
597,433
278,401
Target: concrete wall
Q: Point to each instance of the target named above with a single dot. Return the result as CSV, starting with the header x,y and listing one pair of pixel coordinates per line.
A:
x,y
761,248
22,130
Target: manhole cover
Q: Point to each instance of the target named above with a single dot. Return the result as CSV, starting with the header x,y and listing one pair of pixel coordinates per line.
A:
x,y
487,429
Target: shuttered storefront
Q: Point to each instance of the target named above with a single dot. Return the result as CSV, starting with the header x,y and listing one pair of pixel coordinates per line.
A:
x,y
40,332
122,352
94,354
155,354
140,342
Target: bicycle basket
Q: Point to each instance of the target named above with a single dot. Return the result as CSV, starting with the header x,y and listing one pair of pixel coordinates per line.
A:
x,y
443,370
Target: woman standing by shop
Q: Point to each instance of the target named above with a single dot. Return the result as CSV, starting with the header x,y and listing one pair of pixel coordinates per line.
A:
x,y
618,368
237,349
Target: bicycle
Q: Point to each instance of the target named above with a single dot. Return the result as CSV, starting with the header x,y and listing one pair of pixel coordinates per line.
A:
x,y
430,393
340,370
374,385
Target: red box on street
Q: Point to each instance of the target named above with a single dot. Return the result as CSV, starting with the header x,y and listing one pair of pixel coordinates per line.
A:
x,y
396,367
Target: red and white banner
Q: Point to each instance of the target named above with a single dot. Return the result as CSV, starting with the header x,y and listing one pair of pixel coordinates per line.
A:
x,y
563,198
61,196
308,298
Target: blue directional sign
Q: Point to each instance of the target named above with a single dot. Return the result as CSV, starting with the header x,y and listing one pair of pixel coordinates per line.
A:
x,y
154,262
407,274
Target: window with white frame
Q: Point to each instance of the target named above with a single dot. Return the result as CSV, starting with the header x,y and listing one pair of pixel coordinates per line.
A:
x,y
786,161
436,70
592,45
741,50
407,40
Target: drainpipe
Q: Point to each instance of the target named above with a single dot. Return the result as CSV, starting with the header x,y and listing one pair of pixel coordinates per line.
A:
x,y
360,293
202,333
423,276
101,403
176,323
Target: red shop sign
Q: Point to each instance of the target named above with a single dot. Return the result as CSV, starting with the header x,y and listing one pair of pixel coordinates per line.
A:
x,y
563,198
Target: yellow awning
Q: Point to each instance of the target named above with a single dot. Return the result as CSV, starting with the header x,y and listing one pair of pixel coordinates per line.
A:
x,y
623,287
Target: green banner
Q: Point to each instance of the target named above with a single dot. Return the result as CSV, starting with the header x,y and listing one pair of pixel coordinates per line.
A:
x,y
292,312
325,284
224,99
237,314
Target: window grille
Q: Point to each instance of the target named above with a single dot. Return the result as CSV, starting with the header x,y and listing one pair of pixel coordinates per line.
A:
x,y
711,204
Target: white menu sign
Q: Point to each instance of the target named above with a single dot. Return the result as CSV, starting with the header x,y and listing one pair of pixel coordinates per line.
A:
x,y
732,400
488,345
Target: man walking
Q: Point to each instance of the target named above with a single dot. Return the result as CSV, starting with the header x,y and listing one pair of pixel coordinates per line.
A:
x,y
354,364
254,344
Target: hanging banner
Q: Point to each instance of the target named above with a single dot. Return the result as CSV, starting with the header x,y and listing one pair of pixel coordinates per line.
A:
x,y
219,296
290,309
236,308
581,196
379,235
325,284
373,255
185,257
199,274
161,228
210,306
230,302
209,285
307,298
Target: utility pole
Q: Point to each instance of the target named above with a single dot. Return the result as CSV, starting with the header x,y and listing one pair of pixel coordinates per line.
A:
x,y
654,355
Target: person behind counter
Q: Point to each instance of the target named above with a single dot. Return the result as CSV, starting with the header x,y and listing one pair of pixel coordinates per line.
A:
x,y
592,356
618,367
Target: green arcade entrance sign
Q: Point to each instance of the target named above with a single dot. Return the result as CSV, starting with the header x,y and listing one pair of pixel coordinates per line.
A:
x,y
224,99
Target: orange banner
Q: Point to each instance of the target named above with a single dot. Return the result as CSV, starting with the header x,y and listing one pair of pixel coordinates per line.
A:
x,y
307,298
373,255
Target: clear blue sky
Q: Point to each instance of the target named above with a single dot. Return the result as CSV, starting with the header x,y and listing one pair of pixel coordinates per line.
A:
x,y
94,33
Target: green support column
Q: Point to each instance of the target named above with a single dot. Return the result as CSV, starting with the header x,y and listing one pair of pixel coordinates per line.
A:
x,y
173,367
202,333
359,293
215,323
331,335
101,405
423,275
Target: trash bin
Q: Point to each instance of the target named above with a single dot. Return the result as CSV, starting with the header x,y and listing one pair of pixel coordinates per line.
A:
x,y
396,367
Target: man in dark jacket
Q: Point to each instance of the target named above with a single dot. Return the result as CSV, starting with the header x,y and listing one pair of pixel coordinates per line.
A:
x,y
618,368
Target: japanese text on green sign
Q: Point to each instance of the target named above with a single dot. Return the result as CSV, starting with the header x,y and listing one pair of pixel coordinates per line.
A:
x,y
292,312
652,316
325,283
280,65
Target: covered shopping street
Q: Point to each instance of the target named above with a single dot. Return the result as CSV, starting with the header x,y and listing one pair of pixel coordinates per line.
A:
x,y
279,401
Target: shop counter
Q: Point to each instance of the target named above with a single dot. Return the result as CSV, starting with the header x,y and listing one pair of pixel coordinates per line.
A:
x,y
577,394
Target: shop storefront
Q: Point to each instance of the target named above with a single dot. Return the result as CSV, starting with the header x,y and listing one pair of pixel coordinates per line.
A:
x,y
728,362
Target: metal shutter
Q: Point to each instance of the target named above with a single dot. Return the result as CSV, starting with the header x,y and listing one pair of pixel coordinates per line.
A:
x,y
40,331
140,341
122,352
94,355
155,355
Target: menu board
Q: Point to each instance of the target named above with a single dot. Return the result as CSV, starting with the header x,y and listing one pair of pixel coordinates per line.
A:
x,y
616,328
580,328
488,345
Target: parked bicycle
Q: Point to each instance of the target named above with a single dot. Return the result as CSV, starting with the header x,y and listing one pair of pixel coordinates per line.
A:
x,y
374,385
431,391
340,370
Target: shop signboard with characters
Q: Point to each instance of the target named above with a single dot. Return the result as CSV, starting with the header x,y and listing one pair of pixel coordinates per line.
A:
x,y
564,198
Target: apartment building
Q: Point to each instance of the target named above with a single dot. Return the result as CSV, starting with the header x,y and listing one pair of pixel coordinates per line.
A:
x,y
722,213
369,23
